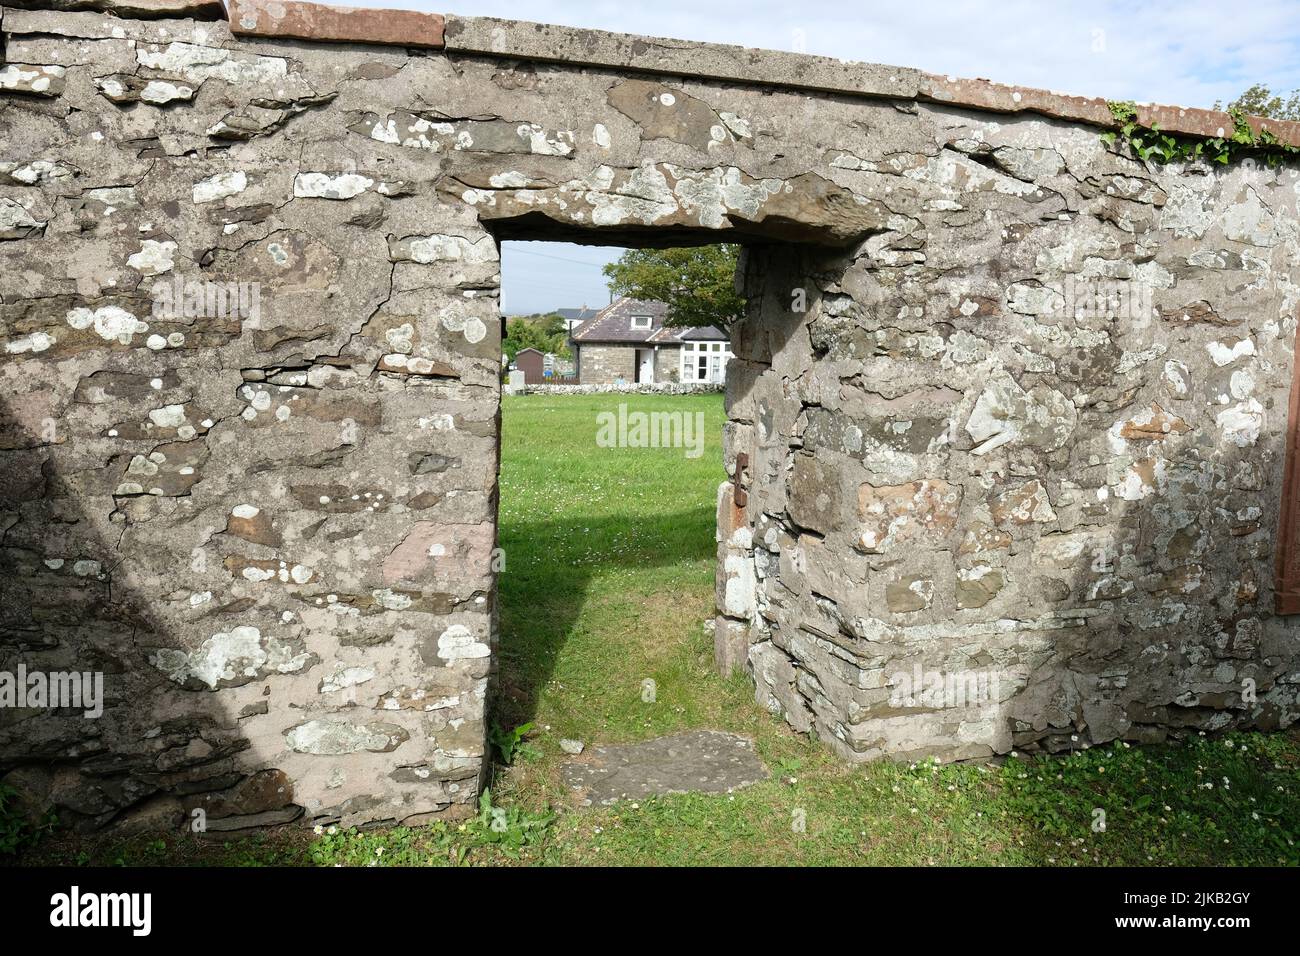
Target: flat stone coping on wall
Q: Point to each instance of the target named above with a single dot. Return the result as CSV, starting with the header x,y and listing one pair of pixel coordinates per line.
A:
x,y
134,9
518,39
316,21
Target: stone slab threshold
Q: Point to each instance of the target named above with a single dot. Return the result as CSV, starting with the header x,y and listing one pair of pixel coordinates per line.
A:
x,y
521,40
700,761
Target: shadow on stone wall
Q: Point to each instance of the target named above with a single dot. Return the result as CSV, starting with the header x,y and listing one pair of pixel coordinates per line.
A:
x,y
69,603
1170,627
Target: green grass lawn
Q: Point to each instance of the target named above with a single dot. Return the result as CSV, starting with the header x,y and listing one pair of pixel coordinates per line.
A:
x,y
608,580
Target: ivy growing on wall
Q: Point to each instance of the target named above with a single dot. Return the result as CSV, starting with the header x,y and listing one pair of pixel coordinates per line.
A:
x,y
1153,145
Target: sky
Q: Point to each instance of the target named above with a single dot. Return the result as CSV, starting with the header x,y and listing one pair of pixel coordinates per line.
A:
x,y
1177,52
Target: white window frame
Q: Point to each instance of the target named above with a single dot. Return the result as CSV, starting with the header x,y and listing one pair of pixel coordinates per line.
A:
x,y
704,362
641,322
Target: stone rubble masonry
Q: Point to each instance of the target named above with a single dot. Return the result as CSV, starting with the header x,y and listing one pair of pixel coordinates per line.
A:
x,y
270,522
606,364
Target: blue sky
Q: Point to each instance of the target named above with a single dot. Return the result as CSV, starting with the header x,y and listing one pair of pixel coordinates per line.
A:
x,y
1185,53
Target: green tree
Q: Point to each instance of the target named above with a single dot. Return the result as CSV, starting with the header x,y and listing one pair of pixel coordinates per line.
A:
x,y
546,333
697,283
1259,100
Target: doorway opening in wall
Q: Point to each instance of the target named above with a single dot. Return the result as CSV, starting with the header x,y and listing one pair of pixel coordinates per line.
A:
x,y
611,460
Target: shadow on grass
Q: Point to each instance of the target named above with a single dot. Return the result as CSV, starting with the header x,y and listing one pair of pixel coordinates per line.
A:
x,y
550,567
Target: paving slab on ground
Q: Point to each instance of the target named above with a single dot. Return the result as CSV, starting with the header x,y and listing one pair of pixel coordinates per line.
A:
x,y
702,761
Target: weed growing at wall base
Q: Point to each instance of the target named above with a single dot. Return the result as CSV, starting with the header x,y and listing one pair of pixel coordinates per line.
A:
x,y
18,832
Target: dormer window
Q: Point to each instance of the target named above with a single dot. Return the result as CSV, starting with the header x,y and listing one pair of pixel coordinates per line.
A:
x,y
641,321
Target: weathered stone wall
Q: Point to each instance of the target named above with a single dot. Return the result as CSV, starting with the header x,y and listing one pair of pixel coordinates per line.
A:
x,y
606,364
965,480
272,531
668,363
273,528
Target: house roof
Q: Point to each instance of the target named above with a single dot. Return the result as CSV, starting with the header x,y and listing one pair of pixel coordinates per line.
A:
x,y
581,314
613,325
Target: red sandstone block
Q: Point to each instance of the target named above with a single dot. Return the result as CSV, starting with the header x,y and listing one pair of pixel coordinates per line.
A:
x,y
317,21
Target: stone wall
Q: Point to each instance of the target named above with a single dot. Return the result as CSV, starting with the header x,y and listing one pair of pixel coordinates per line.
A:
x,y
271,524
270,529
983,514
606,364
668,363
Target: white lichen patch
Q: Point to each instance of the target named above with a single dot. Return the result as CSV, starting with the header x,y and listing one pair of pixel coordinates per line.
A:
x,y
112,323
450,248
325,186
220,186
458,643
1242,423
159,92
21,78
399,337
343,677
511,179
390,599
543,143
33,343
1222,354
169,416
239,655
739,126
154,257
336,738
472,327
1141,479
197,63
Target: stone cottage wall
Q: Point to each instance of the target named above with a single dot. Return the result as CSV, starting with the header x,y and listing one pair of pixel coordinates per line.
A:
x,y
271,524
668,363
606,364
